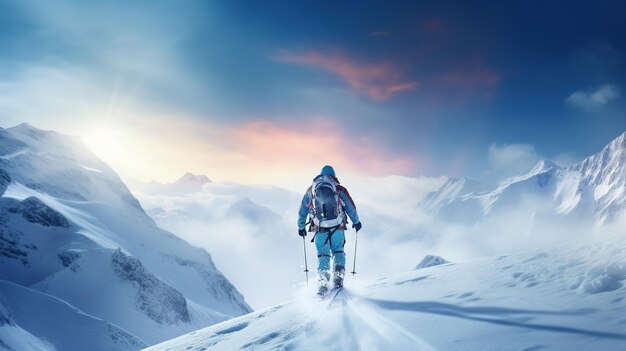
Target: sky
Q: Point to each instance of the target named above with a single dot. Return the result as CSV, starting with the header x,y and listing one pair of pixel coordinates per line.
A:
x,y
268,92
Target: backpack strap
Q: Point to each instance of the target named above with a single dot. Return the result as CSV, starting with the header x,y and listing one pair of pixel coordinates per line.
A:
x,y
342,189
330,234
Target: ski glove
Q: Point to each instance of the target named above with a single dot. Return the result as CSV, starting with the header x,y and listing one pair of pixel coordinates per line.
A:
x,y
357,226
302,232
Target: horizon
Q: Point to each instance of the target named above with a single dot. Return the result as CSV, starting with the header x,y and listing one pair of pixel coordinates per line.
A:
x,y
300,184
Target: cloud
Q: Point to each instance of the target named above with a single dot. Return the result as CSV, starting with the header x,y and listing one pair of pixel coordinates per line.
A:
x,y
512,159
507,160
251,251
379,81
284,148
592,99
140,42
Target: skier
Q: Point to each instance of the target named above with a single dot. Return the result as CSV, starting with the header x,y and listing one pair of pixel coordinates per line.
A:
x,y
326,202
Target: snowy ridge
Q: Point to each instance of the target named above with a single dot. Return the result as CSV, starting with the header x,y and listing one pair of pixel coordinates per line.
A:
x,y
188,183
452,188
592,190
561,299
602,179
70,228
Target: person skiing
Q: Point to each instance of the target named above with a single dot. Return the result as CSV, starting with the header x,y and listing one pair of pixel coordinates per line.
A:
x,y
326,202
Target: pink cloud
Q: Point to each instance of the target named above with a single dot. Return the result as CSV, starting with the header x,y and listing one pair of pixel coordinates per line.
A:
x,y
289,149
379,81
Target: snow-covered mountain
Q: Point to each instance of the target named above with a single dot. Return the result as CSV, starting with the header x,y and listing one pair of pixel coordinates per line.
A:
x,y
70,229
249,229
32,320
594,189
449,201
188,183
565,298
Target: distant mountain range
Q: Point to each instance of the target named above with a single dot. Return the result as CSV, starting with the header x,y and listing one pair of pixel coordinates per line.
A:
x,y
77,249
188,183
594,190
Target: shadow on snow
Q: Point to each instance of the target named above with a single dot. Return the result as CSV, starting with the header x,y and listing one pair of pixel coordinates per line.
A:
x,y
481,314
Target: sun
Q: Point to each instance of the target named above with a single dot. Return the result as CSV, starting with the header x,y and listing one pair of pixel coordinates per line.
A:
x,y
107,142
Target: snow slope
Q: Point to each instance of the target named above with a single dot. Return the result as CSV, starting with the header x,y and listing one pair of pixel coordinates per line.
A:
x,y
70,228
593,190
566,298
56,324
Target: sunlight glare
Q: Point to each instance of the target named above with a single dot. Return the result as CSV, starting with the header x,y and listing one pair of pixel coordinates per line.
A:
x,y
107,142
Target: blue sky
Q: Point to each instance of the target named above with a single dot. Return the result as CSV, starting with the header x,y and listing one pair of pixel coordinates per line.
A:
x,y
255,91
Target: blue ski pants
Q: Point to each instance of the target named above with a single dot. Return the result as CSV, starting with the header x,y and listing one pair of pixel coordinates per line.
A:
x,y
330,248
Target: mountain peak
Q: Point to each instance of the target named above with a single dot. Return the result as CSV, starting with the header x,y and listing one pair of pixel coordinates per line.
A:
x,y
618,143
26,129
194,178
542,166
25,126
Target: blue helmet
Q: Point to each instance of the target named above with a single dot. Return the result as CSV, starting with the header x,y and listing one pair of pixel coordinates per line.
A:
x,y
328,170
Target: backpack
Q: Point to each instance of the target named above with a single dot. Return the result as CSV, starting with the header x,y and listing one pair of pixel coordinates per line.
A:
x,y
326,207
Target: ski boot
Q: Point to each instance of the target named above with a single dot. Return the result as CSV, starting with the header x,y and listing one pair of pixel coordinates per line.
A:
x,y
323,278
338,275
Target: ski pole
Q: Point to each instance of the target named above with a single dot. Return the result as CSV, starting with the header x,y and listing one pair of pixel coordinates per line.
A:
x,y
306,265
356,237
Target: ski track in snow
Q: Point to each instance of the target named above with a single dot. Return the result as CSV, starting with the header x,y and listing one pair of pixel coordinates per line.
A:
x,y
348,322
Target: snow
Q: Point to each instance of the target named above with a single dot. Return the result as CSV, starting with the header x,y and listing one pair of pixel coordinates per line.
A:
x,y
250,229
431,261
92,169
15,154
593,190
570,297
71,230
188,183
74,236
56,324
